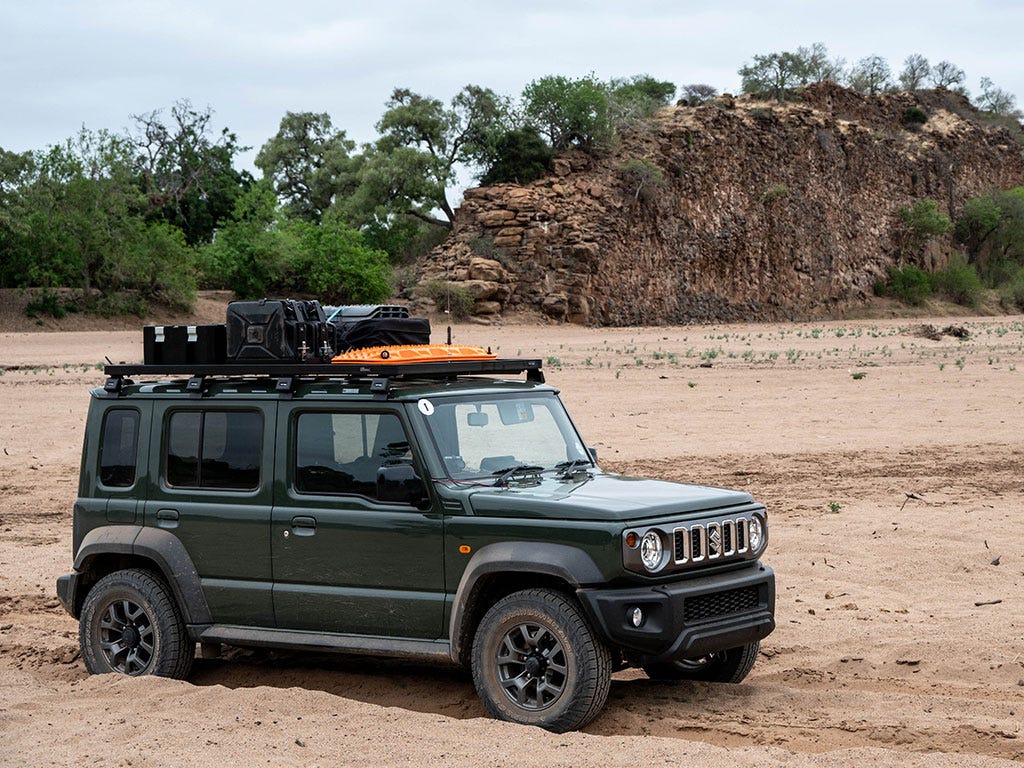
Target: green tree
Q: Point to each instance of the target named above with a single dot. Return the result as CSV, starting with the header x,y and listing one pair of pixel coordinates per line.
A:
x,y
871,75
915,72
815,66
698,93
441,138
520,156
996,101
187,171
639,96
773,75
946,74
309,163
568,112
920,223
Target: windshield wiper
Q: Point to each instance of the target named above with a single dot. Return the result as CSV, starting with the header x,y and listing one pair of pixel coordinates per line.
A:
x,y
504,475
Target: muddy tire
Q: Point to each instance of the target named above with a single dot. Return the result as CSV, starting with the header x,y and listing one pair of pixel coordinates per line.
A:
x,y
536,661
130,624
729,666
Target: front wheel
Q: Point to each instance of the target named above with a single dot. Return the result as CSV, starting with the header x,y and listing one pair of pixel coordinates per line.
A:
x,y
729,666
131,624
536,661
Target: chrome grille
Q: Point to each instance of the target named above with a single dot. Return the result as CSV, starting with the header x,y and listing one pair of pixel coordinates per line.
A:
x,y
711,541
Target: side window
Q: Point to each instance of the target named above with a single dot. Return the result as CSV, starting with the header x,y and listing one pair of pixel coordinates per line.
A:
x,y
214,449
119,448
341,452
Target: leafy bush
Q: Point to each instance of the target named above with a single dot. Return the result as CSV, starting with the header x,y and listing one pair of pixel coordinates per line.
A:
x,y
448,297
642,176
959,282
908,284
335,263
1011,295
519,156
48,302
921,222
914,117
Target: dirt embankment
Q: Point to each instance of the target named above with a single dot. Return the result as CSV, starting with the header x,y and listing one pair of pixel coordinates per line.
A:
x,y
901,619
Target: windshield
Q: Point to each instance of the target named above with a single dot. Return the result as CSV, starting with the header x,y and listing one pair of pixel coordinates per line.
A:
x,y
482,437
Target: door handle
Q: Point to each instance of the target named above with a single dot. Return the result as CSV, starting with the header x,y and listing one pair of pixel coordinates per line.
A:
x,y
167,518
304,525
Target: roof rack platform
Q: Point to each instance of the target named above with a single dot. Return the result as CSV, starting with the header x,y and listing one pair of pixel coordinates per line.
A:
x,y
362,370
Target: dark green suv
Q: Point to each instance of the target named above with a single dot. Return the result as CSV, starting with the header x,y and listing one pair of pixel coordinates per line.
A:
x,y
431,511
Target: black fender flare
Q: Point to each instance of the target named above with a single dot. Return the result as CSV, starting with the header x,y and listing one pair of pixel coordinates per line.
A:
x,y
164,550
572,565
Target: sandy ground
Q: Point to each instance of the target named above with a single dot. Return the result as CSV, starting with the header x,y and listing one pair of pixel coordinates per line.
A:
x,y
900,633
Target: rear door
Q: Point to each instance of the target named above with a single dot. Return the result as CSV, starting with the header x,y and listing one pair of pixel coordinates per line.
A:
x,y
343,560
212,488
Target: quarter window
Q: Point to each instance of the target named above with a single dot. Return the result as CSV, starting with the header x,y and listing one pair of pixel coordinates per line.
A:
x,y
214,449
119,449
341,452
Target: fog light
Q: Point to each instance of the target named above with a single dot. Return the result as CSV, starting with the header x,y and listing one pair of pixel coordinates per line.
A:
x,y
637,617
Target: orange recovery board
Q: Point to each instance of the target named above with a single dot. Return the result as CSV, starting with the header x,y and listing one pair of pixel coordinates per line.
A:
x,y
413,353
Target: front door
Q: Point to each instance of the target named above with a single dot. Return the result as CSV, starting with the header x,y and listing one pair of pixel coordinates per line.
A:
x,y
344,561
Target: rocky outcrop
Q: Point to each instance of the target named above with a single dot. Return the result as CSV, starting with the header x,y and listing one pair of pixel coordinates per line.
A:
x,y
735,210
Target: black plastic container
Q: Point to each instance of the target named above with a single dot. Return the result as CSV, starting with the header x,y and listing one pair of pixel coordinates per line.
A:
x,y
176,344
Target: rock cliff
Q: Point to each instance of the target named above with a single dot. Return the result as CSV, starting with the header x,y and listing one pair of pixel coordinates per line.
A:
x,y
739,209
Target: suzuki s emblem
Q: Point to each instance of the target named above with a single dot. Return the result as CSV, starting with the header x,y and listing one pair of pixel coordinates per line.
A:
x,y
715,539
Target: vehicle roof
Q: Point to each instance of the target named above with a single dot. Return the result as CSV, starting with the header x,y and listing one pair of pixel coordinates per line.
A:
x,y
319,388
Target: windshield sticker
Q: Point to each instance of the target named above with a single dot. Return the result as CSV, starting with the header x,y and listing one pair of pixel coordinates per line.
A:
x,y
426,407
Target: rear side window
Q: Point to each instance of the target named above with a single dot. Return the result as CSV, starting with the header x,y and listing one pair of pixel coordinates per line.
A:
x,y
120,447
341,452
214,449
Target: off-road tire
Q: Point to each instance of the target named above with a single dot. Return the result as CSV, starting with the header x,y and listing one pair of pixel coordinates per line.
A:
x,y
729,666
568,682
131,624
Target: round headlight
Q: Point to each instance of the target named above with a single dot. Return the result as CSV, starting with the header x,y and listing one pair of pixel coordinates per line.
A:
x,y
756,533
650,550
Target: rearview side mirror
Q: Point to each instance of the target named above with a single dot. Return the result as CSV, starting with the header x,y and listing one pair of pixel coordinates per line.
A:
x,y
399,484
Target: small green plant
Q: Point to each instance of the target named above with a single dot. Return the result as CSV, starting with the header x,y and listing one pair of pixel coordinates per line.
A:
x,y
959,282
49,303
554,362
774,192
835,507
642,176
691,384
858,375
449,297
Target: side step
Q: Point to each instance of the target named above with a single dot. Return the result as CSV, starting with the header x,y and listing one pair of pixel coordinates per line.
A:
x,y
326,641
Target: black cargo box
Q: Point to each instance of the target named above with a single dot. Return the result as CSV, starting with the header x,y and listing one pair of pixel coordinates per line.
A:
x,y
176,344
382,333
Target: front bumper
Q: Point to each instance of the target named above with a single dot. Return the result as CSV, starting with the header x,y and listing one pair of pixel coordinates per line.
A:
x,y
687,618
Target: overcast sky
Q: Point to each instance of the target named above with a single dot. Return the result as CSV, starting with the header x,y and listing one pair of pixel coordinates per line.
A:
x,y
65,64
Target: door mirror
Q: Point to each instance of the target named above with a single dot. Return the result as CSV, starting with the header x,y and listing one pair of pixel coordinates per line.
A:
x,y
399,483
593,453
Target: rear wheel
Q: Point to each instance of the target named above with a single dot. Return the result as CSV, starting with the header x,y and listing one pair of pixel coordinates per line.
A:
x,y
729,666
131,624
536,661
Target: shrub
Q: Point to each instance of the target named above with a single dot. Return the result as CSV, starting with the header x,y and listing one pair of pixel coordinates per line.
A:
x,y
448,297
921,222
959,282
1011,295
908,284
642,176
914,117
49,302
519,156
774,192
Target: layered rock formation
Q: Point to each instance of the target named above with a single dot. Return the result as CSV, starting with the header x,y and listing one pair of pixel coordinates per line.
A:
x,y
734,210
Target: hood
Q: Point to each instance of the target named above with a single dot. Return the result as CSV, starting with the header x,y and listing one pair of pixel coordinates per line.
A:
x,y
602,497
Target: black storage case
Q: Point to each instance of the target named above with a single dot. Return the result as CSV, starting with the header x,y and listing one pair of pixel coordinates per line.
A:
x,y
382,333
176,344
282,331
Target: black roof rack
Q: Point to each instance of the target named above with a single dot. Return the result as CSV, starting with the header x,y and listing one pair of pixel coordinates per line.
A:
x,y
362,370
